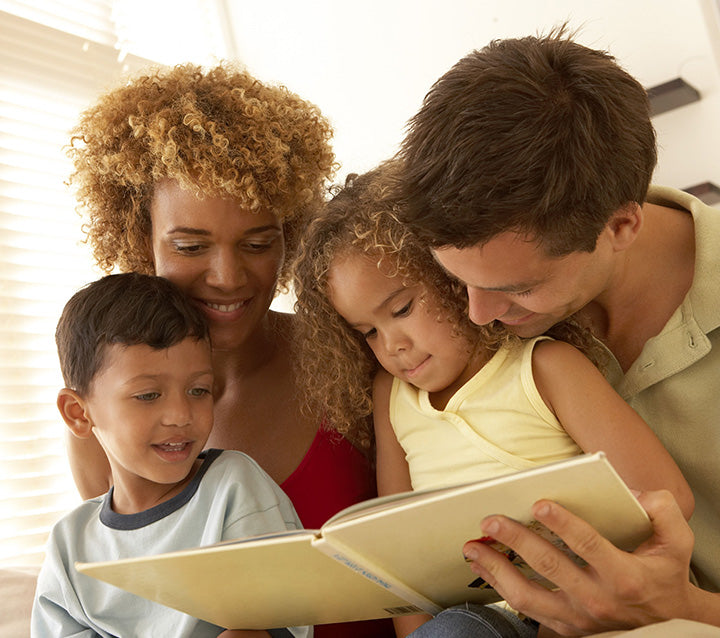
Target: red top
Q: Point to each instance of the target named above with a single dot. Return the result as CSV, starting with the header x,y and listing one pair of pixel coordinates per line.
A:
x,y
334,475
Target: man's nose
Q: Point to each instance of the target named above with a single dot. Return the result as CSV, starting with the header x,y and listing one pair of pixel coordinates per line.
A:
x,y
484,306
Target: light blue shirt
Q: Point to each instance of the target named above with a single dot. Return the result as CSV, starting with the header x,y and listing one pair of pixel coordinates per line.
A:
x,y
229,497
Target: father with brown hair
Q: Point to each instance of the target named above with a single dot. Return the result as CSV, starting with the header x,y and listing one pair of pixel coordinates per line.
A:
x,y
527,171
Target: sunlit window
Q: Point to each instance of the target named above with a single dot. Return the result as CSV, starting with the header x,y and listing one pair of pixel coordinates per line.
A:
x,y
55,57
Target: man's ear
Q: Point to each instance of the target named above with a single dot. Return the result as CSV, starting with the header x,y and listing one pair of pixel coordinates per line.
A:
x,y
625,224
73,411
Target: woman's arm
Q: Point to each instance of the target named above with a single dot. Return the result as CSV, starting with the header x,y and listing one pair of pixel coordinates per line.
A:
x,y
597,418
89,465
393,474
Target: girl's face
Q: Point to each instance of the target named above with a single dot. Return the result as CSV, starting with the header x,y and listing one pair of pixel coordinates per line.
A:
x,y
400,324
226,258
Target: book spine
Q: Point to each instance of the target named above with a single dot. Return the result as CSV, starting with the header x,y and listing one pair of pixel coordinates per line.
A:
x,y
354,561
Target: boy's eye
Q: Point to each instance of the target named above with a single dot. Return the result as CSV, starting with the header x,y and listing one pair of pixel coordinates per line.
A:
x,y
523,293
199,392
147,396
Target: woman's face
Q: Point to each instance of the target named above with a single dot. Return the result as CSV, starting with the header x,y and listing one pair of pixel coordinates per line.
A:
x,y
226,258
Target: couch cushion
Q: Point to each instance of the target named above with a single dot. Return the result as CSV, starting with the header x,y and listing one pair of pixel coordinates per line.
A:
x,y
17,590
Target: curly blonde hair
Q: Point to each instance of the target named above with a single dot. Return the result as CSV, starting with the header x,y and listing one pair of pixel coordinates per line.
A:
x,y
336,367
218,133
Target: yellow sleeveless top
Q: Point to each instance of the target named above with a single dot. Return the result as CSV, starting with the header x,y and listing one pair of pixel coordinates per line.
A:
x,y
495,424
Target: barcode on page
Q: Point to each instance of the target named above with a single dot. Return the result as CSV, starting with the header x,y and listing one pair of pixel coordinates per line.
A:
x,y
403,611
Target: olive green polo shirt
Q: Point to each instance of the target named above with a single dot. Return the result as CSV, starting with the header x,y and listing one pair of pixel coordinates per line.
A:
x,y
675,383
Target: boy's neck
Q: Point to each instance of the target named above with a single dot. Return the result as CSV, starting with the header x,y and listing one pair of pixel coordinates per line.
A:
x,y
140,495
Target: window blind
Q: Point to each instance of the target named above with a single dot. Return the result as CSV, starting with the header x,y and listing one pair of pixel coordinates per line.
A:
x,y
55,57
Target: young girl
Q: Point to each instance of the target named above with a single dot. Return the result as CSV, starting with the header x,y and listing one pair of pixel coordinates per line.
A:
x,y
386,333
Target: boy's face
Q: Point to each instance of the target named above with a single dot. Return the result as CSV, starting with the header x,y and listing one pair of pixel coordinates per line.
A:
x,y
514,281
152,411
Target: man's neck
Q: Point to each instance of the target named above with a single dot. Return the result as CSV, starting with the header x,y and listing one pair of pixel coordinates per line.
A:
x,y
650,281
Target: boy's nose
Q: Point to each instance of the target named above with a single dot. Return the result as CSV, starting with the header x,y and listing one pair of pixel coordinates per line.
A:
x,y
179,413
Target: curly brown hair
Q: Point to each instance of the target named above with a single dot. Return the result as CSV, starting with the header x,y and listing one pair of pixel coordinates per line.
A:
x,y
218,133
336,365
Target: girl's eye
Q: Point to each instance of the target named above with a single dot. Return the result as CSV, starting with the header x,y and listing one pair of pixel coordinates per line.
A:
x,y
524,293
369,334
405,310
147,396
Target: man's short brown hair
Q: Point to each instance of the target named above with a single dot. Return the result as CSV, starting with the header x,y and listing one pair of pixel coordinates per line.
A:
x,y
537,135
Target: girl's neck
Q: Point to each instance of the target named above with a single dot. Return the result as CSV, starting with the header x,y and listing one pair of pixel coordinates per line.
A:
x,y
479,357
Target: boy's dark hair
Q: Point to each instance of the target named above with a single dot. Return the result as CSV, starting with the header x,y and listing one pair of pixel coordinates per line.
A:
x,y
128,309
537,135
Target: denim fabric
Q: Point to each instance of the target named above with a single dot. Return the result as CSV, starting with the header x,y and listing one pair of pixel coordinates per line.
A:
x,y
476,621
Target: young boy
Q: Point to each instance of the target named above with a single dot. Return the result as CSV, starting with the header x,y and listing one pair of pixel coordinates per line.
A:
x,y
135,357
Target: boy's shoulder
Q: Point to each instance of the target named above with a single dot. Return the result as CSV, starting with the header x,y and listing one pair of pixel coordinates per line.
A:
x,y
230,459
78,520
232,467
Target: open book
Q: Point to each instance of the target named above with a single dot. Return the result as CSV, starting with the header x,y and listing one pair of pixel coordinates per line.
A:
x,y
388,556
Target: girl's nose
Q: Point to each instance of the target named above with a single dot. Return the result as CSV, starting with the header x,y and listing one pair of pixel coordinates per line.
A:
x,y
397,342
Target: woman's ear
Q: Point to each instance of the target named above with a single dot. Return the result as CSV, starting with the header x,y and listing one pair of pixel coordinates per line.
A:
x,y
73,411
625,224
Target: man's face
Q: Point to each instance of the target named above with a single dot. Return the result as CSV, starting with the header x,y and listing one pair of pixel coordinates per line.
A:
x,y
514,281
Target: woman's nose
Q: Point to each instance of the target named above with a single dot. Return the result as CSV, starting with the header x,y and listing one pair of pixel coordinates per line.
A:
x,y
227,271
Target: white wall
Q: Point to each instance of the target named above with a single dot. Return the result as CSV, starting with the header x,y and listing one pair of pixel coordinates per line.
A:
x,y
368,64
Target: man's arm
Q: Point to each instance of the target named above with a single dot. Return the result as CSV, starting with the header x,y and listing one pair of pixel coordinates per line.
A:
x,y
616,589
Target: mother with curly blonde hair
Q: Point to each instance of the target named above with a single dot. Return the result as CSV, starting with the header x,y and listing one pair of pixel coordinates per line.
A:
x,y
207,178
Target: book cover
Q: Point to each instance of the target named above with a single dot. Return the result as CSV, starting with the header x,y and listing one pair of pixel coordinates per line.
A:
x,y
384,557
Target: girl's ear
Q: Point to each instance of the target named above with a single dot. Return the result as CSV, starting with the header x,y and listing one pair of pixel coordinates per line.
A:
x,y
625,224
73,411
